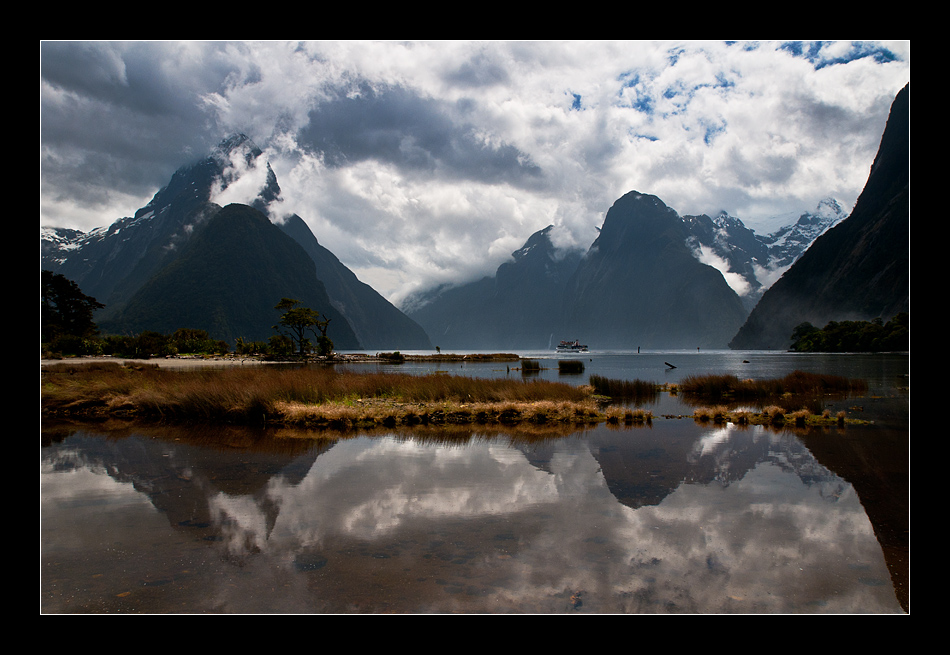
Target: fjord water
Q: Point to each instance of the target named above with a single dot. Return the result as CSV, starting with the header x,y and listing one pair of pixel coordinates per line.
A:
x,y
671,517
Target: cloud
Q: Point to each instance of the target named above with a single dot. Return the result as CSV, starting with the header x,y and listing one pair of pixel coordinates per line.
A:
x,y
736,281
421,162
425,136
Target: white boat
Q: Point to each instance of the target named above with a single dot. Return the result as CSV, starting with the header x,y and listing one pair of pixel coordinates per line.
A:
x,y
574,346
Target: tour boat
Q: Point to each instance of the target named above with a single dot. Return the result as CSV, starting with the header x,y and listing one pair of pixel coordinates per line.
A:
x,y
571,347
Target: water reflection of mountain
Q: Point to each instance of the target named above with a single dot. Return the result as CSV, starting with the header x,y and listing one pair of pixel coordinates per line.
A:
x,y
179,468
208,482
648,466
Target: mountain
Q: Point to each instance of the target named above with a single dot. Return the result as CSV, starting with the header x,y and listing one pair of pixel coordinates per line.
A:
x,y
514,309
207,287
857,270
112,264
640,285
751,262
377,323
646,256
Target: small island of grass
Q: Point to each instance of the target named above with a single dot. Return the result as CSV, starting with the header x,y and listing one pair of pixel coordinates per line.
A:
x,y
325,398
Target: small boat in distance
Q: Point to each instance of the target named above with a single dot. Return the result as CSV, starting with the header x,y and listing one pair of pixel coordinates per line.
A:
x,y
571,347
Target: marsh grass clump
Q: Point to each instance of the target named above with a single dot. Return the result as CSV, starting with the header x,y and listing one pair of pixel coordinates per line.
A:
x,y
616,414
800,417
530,366
635,390
717,414
774,414
724,387
570,367
742,417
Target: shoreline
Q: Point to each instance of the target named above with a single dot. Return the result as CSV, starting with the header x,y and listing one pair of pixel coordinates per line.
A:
x,y
101,388
194,361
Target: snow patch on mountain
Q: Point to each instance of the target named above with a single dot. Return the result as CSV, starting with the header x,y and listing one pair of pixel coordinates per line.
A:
x,y
727,245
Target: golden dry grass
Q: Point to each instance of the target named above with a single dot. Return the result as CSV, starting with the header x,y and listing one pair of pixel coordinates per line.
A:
x,y
306,395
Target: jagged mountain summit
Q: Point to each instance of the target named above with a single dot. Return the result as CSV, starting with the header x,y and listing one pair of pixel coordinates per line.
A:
x,y
788,243
226,279
516,308
751,262
114,263
860,268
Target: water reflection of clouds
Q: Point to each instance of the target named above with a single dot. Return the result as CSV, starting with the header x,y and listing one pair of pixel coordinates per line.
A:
x,y
713,440
768,542
83,501
766,546
368,488
763,545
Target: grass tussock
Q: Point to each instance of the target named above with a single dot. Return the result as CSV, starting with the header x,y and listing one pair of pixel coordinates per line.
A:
x,y
628,416
570,367
798,384
635,390
717,414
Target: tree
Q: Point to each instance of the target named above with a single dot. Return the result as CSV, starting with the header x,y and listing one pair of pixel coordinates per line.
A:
x,y
65,309
296,322
806,337
854,336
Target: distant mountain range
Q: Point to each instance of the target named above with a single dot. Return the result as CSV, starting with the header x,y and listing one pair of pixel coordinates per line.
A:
x,y
651,278
182,261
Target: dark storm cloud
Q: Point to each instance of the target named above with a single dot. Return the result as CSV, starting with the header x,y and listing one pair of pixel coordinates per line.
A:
x,y
397,126
117,117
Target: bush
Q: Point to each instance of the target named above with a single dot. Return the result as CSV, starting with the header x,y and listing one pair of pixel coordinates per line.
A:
x,y
636,390
854,336
570,366
75,346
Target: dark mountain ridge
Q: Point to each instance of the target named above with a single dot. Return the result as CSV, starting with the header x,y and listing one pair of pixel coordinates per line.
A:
x,y
639,285
858,270
376,322
113,264
207,287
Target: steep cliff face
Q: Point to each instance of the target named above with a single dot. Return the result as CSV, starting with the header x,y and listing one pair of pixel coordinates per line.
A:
x,y
858,270
377,323
517,308
227,279
639,285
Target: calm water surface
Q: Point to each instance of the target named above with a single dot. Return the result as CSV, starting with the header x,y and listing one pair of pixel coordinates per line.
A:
x,y
673,517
